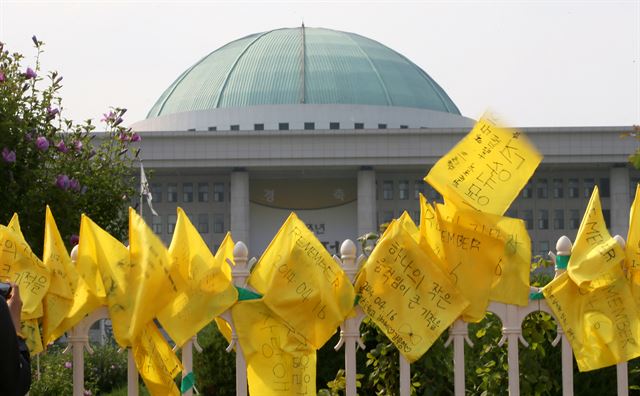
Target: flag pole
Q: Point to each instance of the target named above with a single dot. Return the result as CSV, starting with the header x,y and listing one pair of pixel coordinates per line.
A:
x,y
141,186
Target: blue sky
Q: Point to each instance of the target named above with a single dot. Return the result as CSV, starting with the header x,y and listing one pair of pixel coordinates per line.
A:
x,y
536,63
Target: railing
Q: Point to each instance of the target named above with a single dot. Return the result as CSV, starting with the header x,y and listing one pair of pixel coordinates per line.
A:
x,y
511,317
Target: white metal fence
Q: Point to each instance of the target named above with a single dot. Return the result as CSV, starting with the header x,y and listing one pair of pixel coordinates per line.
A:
x,y
511,316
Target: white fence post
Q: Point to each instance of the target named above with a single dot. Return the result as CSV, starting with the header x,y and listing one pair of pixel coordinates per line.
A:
x,y
79,341
132,374
350,329
405,376
240,275
187,362
458,333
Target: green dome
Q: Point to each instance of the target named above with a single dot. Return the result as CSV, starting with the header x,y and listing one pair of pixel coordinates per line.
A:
x,y
302,65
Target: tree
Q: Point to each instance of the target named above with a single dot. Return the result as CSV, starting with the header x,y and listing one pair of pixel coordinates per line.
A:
x,y
47,159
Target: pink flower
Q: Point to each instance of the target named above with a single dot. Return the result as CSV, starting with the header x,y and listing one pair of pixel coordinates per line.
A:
x,y
87,392
8,156
2,77
67,364
52,113
108,117
42,143
135,137
74,185
62,181
62,147
29,73
77,146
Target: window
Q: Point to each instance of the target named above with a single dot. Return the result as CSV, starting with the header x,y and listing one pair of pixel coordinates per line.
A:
x,y
235,127
156,224
418,188
212,128
156,192
283,126
527,216
404,127
574,219
558,188
513,213
191,130
403,189
258,127
187,192
171,224
606,213
558,219
358,125
543,248
203,192
382,126
589,184
542,188
387,216
334,125
203,223
309,126
172,192
218,223
572,189
527,191
416,216
604,186
543,219
218,192
387,190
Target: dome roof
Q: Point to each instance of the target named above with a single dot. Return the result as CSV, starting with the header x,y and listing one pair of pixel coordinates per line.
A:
x,y
302,66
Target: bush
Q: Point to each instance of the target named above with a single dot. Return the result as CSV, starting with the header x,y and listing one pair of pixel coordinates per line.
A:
x,y
104,370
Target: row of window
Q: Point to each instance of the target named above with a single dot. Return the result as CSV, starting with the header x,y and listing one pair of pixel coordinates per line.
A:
x,y
542,218
190,191
308,126
202,223
572,188
419,187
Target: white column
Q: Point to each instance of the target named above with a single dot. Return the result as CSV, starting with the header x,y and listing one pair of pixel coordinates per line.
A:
x,y
240,275
405,376
620,201
132,374
240,205
78,341
187,362
366,201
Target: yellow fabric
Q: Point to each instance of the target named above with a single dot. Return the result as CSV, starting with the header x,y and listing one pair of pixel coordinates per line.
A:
x,y
593,300
487,169
21,266
279,363
108,260
64,278
601,324
31,332
594,251
632,249
156,362
410,298
209,289
302,284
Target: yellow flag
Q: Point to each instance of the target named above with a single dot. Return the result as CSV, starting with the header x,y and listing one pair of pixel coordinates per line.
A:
x,y
594,251
31,332
302,284
156,362
410,299
107,260
278,362
487,169
632,249
64,279
209,289
601,323
20,265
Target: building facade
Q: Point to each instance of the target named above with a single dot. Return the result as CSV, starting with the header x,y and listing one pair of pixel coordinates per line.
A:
x,y
342,130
